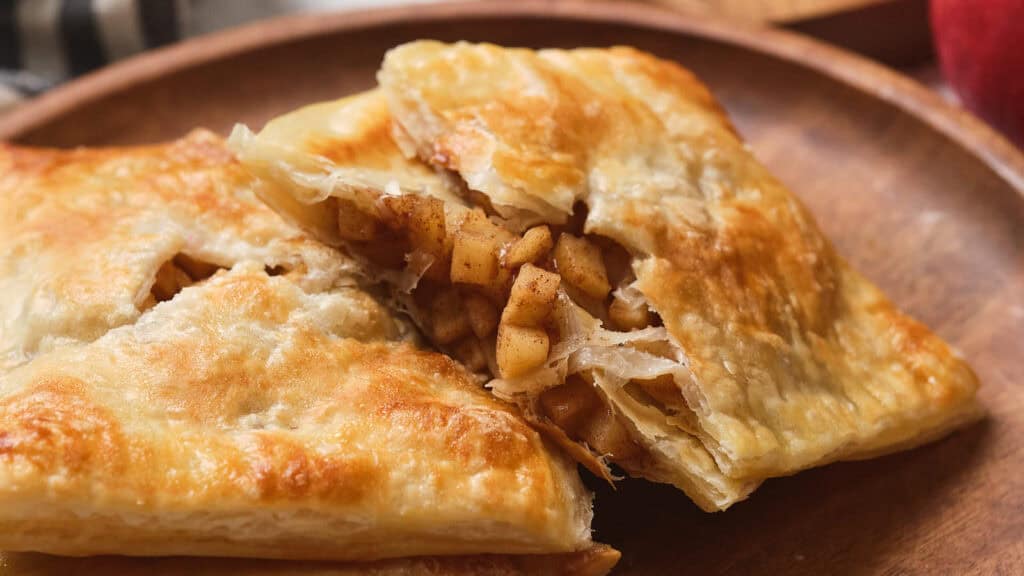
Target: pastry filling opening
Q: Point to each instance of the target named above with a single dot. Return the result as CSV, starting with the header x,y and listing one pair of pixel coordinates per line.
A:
x,y
173,276
183,271
550,312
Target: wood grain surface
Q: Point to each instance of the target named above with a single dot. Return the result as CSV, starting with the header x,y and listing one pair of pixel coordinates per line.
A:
x,y
921,197
895,32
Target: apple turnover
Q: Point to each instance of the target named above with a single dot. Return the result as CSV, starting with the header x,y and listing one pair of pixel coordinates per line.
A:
x,y
587,228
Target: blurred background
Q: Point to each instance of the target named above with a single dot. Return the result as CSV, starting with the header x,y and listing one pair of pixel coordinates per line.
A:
x,y
969,51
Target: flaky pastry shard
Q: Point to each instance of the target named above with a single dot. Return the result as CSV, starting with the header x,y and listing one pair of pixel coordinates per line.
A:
x,y
214,382
680,312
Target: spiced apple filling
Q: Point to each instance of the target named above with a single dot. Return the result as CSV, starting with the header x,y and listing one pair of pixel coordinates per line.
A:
x,y
541,310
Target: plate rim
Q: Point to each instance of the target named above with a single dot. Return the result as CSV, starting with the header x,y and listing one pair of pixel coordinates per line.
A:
x,y
866,76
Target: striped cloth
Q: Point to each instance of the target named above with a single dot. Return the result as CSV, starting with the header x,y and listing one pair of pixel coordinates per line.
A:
x,y
45,42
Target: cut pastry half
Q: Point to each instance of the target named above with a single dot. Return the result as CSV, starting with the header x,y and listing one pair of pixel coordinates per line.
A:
x,y
246,417
586,227
188,374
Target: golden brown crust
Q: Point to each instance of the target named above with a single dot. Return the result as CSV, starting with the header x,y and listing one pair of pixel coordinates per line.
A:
x,y
246,417
85,231
595,561
796,359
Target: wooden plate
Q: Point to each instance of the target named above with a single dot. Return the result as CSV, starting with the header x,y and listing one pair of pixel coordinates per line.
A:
x,y
921,197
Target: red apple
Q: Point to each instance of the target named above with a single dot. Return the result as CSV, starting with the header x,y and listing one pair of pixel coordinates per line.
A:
x,y
981,52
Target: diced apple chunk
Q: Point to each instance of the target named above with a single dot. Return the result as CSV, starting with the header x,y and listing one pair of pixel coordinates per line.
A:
x,y
355,224
421,219
483,316
570,404
533,296
447,318
498,290
387,250
520,349
534,245
169,281
426,228
474,258
427,233
580,264
603,431
470,352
